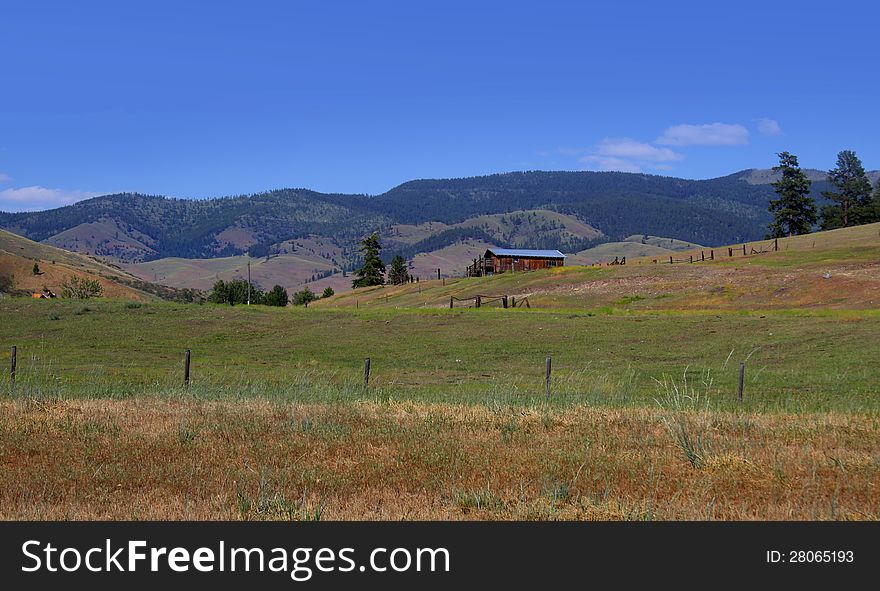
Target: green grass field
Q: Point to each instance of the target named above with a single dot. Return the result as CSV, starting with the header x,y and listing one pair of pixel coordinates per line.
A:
x,y
643,421
795,360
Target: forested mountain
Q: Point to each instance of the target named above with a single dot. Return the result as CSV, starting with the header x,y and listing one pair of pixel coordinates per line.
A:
x,y
134,227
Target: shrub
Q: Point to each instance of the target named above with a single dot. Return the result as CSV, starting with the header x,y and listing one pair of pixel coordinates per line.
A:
x,y
302,298
277,296
328,292
6,283
81,288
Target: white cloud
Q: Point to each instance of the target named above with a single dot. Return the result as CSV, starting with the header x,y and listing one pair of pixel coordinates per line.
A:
x,y
610,163
628,148
769,127
629,155
37,198
4,178
708,134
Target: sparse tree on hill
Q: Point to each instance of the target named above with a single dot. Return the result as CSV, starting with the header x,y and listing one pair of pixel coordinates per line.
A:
x,y
373,270
794,212
398,274
328,292
36,269
853,195
277,296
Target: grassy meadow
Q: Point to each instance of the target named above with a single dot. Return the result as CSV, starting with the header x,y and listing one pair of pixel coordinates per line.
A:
x,y
799,361
643,421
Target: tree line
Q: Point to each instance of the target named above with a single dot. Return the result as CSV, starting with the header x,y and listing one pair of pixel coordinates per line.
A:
x,y
852,199
238,291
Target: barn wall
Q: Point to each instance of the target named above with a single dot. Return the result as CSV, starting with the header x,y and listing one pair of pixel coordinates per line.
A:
x,y
506,264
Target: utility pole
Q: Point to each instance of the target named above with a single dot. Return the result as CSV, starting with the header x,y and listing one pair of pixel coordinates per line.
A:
x,y
249,281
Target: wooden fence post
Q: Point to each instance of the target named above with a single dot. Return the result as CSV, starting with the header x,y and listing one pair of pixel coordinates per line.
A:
x,y
451,299
13,363
702,256
438,273
547,377
186,357
739,388
504,302
744,249
670,260
476,301
776,244
366,372
513,301
712,255
692,258
730,252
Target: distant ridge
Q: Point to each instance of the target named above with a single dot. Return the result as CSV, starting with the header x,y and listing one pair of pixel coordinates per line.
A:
x,y
131,227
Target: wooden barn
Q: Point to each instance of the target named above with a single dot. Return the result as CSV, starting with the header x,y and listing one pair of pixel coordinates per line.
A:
x,y
504,260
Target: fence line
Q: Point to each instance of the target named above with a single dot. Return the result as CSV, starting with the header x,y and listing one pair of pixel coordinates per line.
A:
x,y
480,300
368,367
747,250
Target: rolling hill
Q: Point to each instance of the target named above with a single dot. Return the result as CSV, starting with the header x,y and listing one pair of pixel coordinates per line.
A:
x,y
135,228
296,237
56,266
835,269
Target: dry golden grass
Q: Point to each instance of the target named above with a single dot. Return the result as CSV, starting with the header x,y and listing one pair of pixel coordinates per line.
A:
x,y
147,458
838,269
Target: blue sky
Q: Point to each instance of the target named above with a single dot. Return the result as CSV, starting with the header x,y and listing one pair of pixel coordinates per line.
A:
x,y
210,99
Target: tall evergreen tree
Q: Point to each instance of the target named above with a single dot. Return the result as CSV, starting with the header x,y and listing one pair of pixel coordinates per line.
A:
x,y
398,274
794,212
277,296
870,213
853,194
373,270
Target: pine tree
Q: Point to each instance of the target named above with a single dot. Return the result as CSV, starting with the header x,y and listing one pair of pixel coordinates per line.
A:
x,y
328,292
398,273
870,213
853,195
373,270
794,212
277,296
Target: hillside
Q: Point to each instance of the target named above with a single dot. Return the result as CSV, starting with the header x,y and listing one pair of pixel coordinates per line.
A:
x,y
663,242
134,228
608,251
288,270
632,247
834,269
18,256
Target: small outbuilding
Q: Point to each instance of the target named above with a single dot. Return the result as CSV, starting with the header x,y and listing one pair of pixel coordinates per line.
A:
x,y
504,260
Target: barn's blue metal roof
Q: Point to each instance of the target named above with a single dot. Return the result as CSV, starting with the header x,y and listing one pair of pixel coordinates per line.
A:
x,y
526,253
